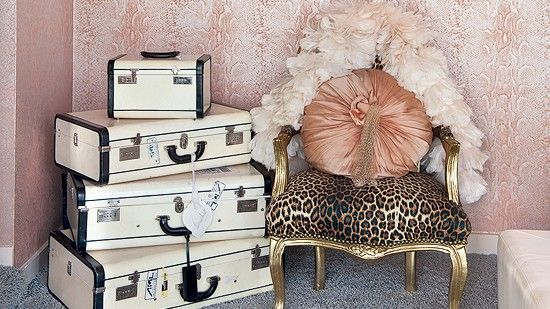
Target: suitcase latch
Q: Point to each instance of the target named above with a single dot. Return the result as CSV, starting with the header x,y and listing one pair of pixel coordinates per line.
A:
x,y
136,140
240,192
128,79
178,204
184,140
75,139
232,137
134,278
259,261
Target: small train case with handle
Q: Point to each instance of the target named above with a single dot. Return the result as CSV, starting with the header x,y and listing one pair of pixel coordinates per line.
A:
x,y
159,85
109,151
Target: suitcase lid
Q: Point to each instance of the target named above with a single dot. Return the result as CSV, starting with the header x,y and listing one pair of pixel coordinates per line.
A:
x,y
170,66
238,181
123,131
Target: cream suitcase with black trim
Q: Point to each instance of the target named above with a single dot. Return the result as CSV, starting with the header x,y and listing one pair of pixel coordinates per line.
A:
x,y
111,151
147,212
158,85
157,277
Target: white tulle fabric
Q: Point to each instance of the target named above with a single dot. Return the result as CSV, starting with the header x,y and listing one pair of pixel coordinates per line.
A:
x,y
348,37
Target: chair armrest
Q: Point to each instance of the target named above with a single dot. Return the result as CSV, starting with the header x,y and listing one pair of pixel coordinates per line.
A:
x,y
280,144
452,148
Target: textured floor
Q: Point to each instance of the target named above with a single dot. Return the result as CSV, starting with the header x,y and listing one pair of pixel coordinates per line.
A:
x,y
351,283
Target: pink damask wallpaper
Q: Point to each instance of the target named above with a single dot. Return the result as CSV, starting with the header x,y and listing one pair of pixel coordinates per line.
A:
x,y
497,52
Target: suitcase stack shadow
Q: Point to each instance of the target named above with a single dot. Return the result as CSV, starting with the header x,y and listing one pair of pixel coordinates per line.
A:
x,y
128,183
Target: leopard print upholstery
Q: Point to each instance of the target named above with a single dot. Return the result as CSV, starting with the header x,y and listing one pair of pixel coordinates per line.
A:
x,y
412,208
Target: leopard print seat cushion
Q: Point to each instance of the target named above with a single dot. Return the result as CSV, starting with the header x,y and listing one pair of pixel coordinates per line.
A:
x,y
414,207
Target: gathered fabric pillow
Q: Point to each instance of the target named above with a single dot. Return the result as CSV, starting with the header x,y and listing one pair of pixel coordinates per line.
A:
x,y
365,125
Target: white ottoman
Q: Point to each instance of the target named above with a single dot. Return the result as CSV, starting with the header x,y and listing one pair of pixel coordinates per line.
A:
x,y
524,269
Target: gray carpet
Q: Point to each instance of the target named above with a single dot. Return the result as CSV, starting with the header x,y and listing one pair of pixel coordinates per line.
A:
x,y
350,283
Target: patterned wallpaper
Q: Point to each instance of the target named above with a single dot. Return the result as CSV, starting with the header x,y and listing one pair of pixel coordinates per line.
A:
x,y
7,125
496,51
44,75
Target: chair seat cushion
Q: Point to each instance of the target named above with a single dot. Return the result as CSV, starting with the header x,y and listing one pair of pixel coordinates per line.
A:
x,y
391,211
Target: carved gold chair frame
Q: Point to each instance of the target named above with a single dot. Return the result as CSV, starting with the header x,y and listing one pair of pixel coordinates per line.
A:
x,y
456,251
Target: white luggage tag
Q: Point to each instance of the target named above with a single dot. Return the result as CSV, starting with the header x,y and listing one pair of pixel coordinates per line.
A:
x,y
198,216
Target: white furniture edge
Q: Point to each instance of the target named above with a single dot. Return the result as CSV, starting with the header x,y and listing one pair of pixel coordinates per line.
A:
x,y
6,256
482,243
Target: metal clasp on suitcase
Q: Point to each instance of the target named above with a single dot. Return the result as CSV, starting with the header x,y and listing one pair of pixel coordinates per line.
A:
x,y
178,204
232,137
257,260
128,79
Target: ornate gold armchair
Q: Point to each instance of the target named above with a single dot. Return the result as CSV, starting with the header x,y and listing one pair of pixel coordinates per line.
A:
x,y
412,214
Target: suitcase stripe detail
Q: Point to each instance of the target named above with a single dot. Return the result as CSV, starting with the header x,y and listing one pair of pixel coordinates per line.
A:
x,y
191,261
90,262
178,132
153,167
163,235
165,194
111,85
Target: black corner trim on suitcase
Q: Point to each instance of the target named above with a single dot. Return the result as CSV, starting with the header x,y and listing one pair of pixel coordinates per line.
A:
x,y
103,141
200,84
89,261
111,85
82,224
66,224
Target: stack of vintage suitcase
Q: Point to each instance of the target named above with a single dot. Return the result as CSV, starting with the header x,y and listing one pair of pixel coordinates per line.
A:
x,y
129,191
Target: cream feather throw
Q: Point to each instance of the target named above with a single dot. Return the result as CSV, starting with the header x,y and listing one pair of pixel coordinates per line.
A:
x,y
349,37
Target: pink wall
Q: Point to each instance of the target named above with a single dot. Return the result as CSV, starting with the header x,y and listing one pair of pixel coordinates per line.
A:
x,y
44,88
7,125
495,51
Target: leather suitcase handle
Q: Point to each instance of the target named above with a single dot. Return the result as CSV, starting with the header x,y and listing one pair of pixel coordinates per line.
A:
x,y
185,158
171,54
172,231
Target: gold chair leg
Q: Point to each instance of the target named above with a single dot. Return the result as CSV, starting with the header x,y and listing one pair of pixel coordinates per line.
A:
x,y
319,268
276,249
410,271
458,276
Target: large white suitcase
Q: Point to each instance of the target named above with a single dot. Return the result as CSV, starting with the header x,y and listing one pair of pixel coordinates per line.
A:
x,y
110,151
149,212
157,277
158,85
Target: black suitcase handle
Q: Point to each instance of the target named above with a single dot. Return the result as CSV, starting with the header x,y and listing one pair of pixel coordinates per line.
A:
x,y
185,158
171,54
189,291
172,231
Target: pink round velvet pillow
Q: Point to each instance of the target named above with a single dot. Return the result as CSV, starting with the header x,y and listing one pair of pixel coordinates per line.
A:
x,y
332,125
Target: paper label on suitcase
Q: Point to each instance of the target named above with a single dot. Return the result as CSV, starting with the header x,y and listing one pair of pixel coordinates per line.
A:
x,y
153,150
151,285
215,194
